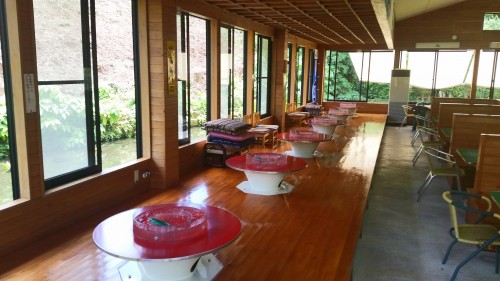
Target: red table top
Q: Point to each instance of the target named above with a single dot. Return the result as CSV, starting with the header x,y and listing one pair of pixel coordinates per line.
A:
x,y
266,163
115,236
304,136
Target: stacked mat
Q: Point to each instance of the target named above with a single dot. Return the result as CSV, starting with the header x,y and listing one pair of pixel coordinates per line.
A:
x,y
229,132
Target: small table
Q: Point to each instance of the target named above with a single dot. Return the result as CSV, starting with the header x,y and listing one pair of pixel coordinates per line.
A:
x,y
266,172
304,143
469,155
190,259
495,195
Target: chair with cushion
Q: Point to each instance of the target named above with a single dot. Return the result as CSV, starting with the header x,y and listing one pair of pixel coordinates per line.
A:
x,y
481,235
441,164
408,110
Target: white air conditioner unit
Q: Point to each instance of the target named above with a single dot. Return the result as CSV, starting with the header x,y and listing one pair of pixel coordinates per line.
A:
x,y
438,45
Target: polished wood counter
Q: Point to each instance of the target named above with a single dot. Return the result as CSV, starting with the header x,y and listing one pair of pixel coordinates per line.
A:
x,y
308,234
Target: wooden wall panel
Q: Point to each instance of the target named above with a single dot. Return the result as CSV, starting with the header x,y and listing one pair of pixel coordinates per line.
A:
x,y
464,19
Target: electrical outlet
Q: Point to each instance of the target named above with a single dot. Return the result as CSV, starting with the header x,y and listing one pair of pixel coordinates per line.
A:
x,y
136,176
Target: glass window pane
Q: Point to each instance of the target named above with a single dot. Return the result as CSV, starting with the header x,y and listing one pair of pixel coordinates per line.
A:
x,y
265,57
198,78
348,74
421,66
453,77
115,59
63,37
64,133
264,97
225,72
239,72
496,90
380,76
7,192
299,75
484,75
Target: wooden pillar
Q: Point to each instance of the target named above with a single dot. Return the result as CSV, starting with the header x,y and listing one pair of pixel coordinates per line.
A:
x,y
23,61
473,88
320,87
162,47
279,98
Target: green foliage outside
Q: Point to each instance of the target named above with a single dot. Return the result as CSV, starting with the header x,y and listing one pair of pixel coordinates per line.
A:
x,y
61,115
491,22
343,80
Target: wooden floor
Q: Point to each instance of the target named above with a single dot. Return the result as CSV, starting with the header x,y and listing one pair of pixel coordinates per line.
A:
x,y
308,234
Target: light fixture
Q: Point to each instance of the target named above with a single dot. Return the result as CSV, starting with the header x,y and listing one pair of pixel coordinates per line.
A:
x,y
438,45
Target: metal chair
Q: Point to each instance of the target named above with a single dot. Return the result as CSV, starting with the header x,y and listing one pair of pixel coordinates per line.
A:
x,y
422,111
431,138
441,164
481,235
408,110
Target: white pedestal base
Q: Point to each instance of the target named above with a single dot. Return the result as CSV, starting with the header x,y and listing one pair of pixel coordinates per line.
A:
x,y
283,188
303,149
206,269
324,129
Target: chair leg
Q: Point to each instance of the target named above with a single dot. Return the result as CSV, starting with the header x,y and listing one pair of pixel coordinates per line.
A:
x,y
424,186
415,137
403,122
497,254
472,255
417,155
448,251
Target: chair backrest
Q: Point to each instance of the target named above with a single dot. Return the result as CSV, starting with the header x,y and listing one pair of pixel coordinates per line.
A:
x,y
407,109
256,119
424,126
455,201
438,158
421,110
248,119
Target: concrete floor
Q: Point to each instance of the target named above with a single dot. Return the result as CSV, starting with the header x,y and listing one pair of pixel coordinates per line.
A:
x,y
405,240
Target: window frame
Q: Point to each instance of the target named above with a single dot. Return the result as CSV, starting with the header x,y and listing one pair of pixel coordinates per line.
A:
x,y
299,91
4,44
258,76
91,93
231,90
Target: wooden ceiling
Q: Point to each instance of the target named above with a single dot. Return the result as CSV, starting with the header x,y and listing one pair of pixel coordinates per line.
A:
x,y
336,23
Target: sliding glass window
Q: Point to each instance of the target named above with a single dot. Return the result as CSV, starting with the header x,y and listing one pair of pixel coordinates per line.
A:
x,y
9,187
233,43
88,86
440,73
358,76
299,76
312,95
488,74
192,77
262,75
288,76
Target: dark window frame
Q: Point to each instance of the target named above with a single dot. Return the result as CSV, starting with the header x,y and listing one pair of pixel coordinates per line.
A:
x,y
4,42
259,78
91,84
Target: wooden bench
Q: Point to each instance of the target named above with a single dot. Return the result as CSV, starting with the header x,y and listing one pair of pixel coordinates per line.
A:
x,y
466,133
437,101
487,171
446,111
